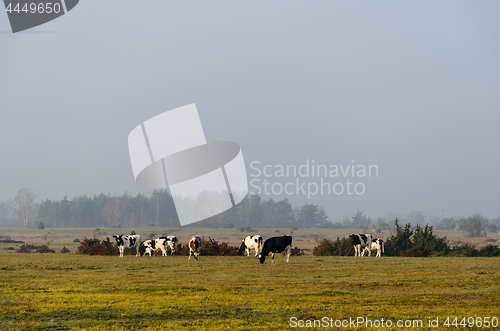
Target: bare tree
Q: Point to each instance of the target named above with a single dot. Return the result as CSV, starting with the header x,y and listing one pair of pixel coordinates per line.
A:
x,y
25,205
7,213
114,211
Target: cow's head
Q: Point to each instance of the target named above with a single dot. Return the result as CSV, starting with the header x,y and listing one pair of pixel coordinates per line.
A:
x,y
171,243
262,258
119,240
242,247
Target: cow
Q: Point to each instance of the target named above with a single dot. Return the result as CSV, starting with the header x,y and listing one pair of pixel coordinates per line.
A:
x,y
377,244
360,241
195,247
276,245
123,242
251,242
170,241
160,244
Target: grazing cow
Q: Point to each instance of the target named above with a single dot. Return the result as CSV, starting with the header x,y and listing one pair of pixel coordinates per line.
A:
x,y
160,244
251,242
195,247
360,241
123,242
170,241
276,245
377,244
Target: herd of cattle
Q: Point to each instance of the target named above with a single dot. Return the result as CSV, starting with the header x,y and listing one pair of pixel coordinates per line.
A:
x,y
362,243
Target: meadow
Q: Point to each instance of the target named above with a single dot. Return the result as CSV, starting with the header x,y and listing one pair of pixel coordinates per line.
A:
x,y
79,292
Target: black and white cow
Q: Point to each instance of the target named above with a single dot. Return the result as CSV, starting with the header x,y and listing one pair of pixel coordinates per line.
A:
x,y
123,242
276,245
195,247
251,242
360,241
170,241
160,244
377,244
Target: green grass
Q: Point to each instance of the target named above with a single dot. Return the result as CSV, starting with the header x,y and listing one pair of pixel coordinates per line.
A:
x,y
56,291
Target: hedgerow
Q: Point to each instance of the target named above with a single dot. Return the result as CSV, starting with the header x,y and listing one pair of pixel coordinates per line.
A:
x,y
420,242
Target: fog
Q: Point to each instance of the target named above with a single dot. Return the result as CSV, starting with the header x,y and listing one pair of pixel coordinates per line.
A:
x,y
411,88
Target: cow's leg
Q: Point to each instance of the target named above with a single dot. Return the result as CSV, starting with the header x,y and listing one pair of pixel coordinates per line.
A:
x,y
190,251
137,254
247,251
369,252
163,251
272,258
378,253
289,251
356,250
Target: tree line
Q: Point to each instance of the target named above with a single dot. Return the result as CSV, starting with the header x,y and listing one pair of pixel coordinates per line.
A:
x,y
156,210
159,210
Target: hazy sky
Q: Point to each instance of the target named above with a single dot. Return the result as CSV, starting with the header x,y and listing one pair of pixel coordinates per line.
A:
x,y
412,87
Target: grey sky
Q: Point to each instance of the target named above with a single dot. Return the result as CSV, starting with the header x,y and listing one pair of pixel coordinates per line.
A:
x,y
410,87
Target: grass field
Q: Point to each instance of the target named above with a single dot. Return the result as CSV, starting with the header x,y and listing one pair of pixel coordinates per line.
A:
x,y
70,291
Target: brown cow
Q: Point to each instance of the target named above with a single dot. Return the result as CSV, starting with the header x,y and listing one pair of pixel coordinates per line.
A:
x,y
195,247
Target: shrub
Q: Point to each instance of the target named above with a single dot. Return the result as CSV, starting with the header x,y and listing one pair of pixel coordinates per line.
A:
x,y
434,246
417,251
212,248
339,247
40,226
76,240
94,247
181,249
26,248
65,250
297,251
400,242
490,250
465,250
44,249
209,248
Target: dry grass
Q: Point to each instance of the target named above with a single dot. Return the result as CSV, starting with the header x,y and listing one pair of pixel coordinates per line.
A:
x,y
69,291
59,291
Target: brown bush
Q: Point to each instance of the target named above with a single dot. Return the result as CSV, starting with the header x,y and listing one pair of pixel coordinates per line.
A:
x,y
297,251
26,248
94,247
209,248
212,248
